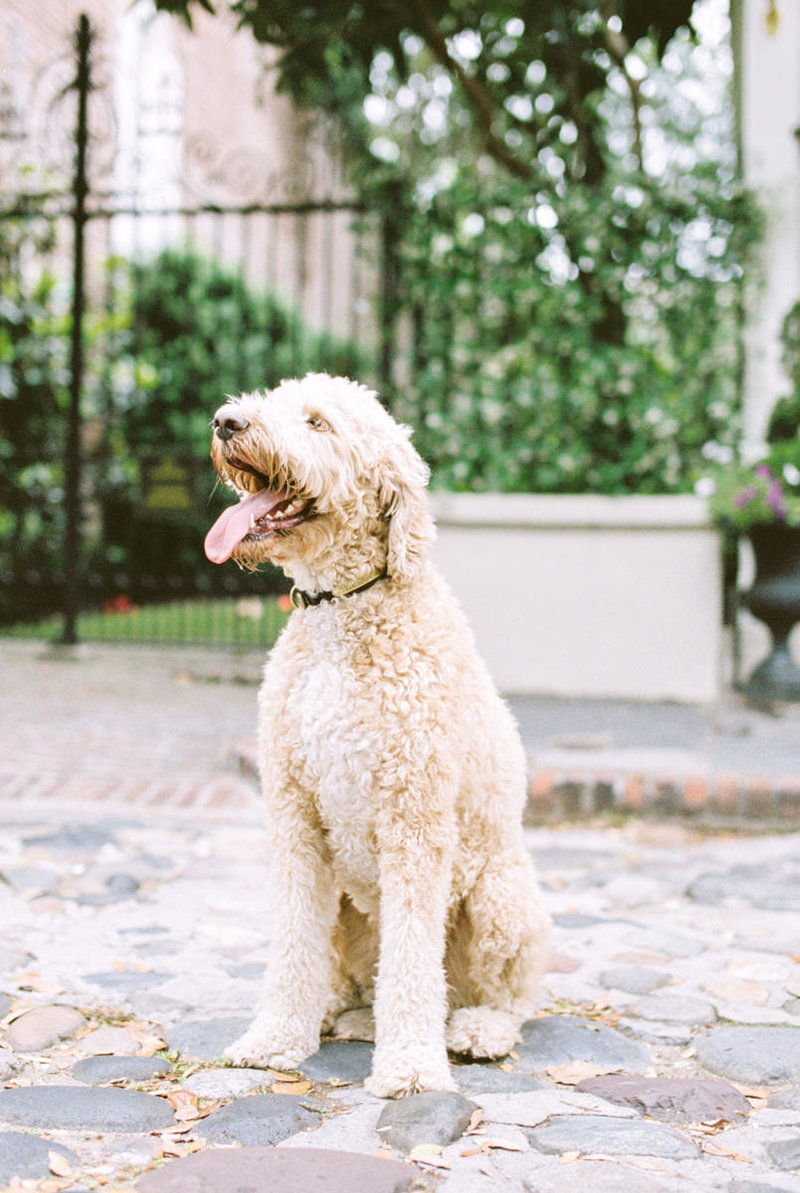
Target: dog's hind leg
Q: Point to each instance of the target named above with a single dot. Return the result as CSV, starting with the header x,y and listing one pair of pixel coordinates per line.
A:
x,y
355,958
497,952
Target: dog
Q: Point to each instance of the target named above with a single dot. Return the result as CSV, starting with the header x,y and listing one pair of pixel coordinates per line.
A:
x,y
393,773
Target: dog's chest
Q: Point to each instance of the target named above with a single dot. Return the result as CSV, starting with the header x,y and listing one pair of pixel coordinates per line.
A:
x,y
338,745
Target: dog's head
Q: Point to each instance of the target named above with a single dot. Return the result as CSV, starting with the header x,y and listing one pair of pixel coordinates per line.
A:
x,y
327,481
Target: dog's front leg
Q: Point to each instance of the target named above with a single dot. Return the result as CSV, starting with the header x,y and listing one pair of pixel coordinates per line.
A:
x,y
410,991
303,907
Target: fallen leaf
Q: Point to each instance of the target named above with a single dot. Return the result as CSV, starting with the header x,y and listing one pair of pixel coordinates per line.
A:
x,y
175,1129
646,1163
753,1091
429,1153
290,1087
718,1149
149,1045
289,1075
475,1121
168,1151
576,1071
185,1104
514,1055
59,1165
507,1068
505,1145
570,1157
472,1151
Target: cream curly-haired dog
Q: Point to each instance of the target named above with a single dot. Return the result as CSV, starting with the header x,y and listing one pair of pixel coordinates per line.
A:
x,y
393,773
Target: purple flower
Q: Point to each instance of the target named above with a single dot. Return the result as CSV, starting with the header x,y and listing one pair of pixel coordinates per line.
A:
x,y
745,496
764,470
775,500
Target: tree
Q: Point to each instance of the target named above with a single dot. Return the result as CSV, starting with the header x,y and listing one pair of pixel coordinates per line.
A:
x,y
560,190
497,56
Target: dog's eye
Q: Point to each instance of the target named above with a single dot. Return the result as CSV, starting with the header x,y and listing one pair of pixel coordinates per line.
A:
x,y
318,423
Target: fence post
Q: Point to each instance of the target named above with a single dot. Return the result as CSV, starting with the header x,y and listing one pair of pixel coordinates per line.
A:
x,y
73,453
387,304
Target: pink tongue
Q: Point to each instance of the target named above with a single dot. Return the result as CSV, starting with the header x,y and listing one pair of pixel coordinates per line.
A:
x,y
234,523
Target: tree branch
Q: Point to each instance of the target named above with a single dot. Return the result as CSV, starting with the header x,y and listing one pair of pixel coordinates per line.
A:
x,y
618,47
477,96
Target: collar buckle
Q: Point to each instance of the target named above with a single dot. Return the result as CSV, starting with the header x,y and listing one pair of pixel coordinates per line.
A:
x,y
302,600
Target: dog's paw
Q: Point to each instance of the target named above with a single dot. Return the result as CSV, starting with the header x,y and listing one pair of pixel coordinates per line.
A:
x,y
260,1049
481,1032
413,1075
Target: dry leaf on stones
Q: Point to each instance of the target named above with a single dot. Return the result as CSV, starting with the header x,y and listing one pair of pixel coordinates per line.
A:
x,y
476,1121
429,1153
185,1104
485,1146
59,1165
290,1087
576,1071
713,1148
150,1044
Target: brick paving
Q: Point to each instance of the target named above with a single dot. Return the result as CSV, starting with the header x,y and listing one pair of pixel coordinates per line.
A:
x,y
158,727
117,725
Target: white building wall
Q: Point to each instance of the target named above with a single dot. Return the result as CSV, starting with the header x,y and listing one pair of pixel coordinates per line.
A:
x,y
588,596
768,51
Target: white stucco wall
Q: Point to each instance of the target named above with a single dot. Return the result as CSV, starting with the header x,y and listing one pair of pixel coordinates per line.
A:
x,y
588,596
769,118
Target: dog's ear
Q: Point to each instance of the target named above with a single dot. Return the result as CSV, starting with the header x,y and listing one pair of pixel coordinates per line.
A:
x,y
403,499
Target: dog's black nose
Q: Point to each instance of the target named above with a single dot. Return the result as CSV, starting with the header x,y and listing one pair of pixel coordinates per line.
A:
x,y
228,421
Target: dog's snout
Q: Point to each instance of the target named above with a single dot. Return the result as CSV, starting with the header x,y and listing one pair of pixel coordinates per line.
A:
x,y
228,421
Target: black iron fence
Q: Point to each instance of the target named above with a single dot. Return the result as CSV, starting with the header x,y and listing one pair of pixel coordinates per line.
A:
x,y
123,323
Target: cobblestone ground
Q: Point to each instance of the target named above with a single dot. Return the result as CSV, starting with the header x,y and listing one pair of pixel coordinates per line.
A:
x,y
133,933
666,1056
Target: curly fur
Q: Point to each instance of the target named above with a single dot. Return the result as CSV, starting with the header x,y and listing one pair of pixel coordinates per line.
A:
x,y
393,773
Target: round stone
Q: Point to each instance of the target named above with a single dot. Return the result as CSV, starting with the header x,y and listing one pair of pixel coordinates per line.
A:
x,y
38,1029
11,959
258,1121
773,885
225,1083
27,1156
433,1117
102,1070
591,1133
754,1055
671,1099
339,1061
559,1039
672,1008
488,1079
78,1108
633,979
269,1170
786,1153
117,1041
206,1039
127,979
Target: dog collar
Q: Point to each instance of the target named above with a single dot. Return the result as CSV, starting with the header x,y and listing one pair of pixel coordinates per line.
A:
x,y
302,600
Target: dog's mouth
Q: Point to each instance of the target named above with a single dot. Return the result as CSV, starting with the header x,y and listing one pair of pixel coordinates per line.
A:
x,y
264,509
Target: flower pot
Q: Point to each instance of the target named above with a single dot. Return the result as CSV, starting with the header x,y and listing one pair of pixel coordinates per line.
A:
x,y
775,599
